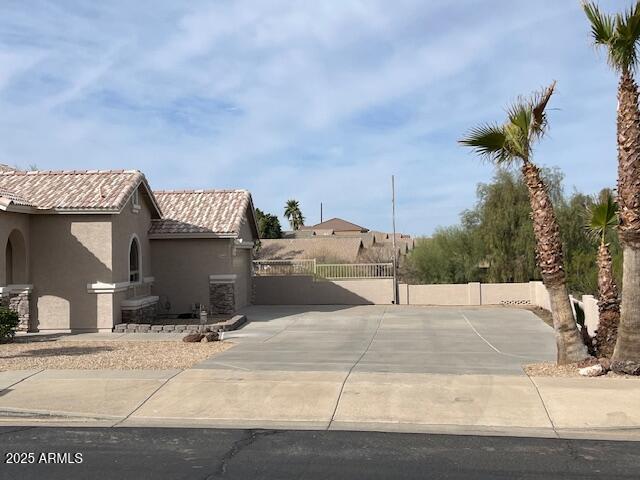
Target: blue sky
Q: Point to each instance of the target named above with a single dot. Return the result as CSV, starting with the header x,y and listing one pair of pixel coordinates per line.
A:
x,y
318,101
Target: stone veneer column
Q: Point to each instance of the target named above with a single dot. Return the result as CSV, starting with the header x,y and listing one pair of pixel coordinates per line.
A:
x,y
222,293
18,299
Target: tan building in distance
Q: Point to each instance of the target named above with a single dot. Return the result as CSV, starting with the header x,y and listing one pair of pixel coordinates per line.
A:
x,y
80,249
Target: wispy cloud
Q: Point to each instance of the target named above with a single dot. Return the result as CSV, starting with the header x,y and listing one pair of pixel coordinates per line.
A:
x,y
321,101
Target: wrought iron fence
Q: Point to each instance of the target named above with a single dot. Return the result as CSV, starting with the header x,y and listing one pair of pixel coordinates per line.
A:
x,y
329,271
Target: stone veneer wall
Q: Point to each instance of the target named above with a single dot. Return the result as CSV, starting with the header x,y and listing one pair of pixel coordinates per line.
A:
x,y
144,314
222,297
19,302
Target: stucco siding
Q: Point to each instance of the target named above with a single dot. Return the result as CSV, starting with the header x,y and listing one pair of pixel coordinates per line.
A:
x,y
305,290
67,253
125,225
182,267
242,268
9,222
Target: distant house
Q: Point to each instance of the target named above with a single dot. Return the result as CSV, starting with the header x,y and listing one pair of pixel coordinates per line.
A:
x,y
338,240
85,250
324,249
338,226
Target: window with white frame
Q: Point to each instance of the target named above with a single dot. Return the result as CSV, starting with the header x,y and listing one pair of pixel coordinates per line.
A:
x,y
134,261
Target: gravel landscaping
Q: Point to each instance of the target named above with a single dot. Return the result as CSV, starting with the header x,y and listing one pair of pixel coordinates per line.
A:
x,y
550,369
100,355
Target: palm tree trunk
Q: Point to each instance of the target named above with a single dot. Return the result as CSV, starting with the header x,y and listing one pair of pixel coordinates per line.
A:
x,y
628,123
608,304
551,263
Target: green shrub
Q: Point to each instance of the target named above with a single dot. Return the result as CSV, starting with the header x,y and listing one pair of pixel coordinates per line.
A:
x,y
8,324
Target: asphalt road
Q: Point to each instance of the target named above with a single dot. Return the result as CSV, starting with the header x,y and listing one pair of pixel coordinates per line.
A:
x,y
267,454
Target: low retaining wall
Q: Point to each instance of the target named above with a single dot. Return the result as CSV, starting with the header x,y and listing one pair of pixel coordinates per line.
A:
x,y
307,290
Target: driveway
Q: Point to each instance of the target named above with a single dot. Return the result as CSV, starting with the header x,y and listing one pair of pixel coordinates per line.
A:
x,y
401,339
366,367
410,369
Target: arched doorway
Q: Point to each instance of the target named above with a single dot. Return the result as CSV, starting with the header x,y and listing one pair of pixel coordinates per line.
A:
x,y
15,259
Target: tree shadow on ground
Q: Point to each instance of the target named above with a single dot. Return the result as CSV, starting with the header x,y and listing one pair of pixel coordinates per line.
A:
x,y
67,351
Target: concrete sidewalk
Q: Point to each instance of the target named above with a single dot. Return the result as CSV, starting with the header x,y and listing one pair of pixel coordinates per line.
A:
x,y
396,369
393,402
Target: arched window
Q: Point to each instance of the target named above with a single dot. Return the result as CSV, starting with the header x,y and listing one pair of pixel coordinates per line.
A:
x,y
134,261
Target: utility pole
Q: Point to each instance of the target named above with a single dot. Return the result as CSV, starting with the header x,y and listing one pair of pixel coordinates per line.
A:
x,y
393,220
320,212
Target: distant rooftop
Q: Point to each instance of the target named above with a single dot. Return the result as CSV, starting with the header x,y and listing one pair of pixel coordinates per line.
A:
x,y
337,225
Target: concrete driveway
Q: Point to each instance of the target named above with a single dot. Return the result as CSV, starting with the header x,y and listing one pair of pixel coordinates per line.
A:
x,y
366,367
402,339
410,369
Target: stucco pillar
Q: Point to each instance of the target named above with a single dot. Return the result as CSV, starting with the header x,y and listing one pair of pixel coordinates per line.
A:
x,y
222,296
474,293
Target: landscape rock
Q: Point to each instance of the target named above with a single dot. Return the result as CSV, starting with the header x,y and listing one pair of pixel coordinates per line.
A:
x,y
193,337
212,336
592,371
627,368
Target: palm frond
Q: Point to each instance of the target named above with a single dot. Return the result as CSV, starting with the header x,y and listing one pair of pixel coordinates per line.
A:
x,y
619,33
602,217
602,25
488,141
539,103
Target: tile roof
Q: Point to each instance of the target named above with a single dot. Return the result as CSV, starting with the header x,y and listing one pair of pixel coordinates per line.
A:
x,y
343,249
218,212
339,225
77,190
7,197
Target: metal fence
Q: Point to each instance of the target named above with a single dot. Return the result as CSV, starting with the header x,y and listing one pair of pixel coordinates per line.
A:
x,y
284,267
332,271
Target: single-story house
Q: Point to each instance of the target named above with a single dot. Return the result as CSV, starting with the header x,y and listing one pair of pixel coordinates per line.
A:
x,y
78,251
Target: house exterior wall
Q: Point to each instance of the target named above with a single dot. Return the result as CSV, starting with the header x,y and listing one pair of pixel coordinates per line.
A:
x,y
243,284
182,268
125,225
9,222
67,253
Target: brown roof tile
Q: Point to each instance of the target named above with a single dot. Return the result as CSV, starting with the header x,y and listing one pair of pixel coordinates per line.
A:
x,y
218,212
85,190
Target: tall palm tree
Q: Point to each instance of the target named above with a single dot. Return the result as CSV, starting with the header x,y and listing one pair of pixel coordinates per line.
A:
x,y
601,220
619,35
512,143
293,213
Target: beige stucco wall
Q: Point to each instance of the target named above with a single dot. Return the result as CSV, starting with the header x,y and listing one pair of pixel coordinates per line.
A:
x,y
436,294
9,222
125,225
181,268
466,294
501,293
242,268
67,253
305,290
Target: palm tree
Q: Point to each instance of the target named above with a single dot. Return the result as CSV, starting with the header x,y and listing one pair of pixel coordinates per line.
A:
x,y
293,213
511,143
619,35
601,220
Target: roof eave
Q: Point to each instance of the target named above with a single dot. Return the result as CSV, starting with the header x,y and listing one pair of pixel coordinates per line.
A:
x,y
174,236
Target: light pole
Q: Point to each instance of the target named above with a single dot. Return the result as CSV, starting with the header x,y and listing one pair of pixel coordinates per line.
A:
x,y
393,220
